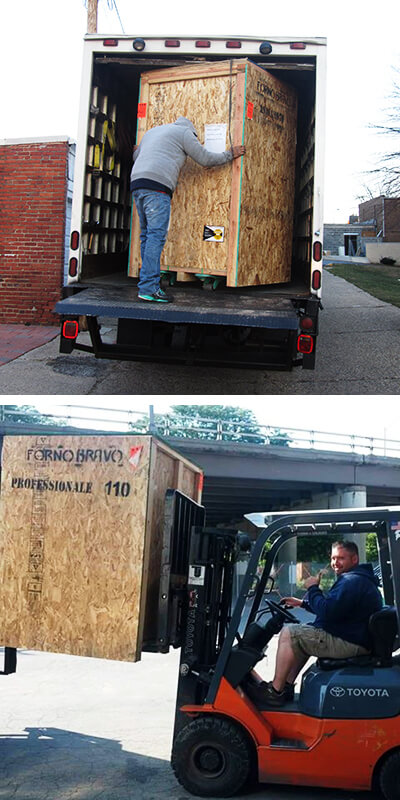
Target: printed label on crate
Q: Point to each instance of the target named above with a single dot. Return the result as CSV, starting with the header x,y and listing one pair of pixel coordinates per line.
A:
x,y
213,233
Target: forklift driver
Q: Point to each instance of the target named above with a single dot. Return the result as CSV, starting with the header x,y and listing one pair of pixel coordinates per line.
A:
x,y
340,629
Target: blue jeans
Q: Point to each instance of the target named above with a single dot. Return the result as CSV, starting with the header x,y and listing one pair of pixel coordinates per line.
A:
x,y
154,210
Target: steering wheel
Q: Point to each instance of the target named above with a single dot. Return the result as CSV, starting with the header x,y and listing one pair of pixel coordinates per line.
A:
x,y
275,608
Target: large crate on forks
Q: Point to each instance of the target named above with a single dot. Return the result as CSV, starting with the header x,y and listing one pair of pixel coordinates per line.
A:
x,y
81,541
236,220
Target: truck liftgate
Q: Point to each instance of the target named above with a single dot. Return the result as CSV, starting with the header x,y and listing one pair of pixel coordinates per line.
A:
x,y
232,328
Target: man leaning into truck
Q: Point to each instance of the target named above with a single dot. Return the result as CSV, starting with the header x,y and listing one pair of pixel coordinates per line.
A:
x,y
157,162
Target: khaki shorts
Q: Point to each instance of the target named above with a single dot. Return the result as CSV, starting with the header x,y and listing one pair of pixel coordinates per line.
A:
x,y
309,641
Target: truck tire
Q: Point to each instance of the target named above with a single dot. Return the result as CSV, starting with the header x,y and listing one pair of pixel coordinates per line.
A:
x,y
389,777
212,757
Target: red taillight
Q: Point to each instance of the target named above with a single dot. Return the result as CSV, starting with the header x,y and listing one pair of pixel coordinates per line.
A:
x,y
74,240
203,43
305,343
297,46
73,267
306,323
316,280
70,329
172,43
233,44
317,251
110,42
200,481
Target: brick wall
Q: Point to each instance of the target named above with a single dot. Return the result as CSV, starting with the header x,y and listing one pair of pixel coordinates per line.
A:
x,y
33,187
386,212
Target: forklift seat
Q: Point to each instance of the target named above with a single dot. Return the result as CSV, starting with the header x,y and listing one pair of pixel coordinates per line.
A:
x,y
383,630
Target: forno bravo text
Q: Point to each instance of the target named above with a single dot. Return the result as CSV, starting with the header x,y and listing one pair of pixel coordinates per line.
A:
x,y
83,455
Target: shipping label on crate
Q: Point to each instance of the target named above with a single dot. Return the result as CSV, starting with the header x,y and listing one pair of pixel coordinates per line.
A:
x,y
215,137
72,528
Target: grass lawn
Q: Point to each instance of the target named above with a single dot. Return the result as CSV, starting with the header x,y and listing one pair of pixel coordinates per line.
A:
x,y
379,280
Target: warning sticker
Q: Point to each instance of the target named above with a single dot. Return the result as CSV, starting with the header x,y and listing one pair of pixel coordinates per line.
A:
x,y
250,110
134,456
197,575
142,110
213,233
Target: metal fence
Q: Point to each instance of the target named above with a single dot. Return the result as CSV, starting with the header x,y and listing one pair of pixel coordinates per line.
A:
x,y
174,426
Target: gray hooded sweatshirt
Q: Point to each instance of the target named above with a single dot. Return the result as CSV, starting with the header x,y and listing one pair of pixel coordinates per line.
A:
x,y
162,154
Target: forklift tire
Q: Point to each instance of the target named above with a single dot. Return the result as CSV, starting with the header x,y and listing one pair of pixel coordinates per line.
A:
x,y
389,777
212,757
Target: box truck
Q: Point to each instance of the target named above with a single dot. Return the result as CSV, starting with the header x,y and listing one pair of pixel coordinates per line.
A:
x,y
244,251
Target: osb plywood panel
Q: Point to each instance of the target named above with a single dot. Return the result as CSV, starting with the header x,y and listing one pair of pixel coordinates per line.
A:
x,y
267,193
250,199
75,532
202,197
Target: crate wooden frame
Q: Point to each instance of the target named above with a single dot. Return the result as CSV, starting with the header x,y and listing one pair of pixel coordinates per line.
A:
x,y
251,198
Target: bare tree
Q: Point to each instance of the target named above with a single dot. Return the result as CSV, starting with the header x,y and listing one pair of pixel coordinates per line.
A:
x,y
387,171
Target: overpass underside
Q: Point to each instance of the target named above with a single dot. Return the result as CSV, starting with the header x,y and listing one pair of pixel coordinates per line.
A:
x,y
240,479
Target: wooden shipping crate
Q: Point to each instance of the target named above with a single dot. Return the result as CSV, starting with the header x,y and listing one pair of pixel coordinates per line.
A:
x,y
247,204
81,535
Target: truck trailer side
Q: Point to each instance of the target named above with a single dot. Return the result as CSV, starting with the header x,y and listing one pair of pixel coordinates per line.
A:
x,y
267,326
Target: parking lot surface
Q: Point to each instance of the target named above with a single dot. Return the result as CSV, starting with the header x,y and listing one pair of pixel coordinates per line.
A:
x,y
86,729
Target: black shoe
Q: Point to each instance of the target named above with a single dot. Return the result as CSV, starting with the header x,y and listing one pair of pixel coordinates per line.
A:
x,y
156,297
289,691
270,696
262,692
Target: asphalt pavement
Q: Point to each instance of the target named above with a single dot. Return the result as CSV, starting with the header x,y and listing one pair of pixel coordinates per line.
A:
x,y
76,728
358,353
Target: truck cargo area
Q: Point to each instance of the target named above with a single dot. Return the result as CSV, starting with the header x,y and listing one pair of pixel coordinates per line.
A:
x,y
107,200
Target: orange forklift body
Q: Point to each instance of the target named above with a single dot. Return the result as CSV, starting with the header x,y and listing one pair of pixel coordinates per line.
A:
x,y
357,745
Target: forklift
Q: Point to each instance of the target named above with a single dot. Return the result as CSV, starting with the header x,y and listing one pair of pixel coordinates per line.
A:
x,y
342,729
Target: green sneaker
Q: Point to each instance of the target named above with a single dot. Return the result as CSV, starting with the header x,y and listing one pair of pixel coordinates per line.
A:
x,y
156,297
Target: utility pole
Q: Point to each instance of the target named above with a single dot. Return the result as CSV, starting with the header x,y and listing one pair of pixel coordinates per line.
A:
x,y
92,16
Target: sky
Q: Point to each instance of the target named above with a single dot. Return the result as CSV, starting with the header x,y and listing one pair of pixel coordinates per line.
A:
x,y
372,415
40,61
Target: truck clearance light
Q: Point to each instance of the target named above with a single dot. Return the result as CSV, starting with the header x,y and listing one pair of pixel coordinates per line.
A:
x,y
74,240
172,43
297,46
202,43
73,267
305,343
316,280
233,44
317,251
70,329
138,44
110,42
